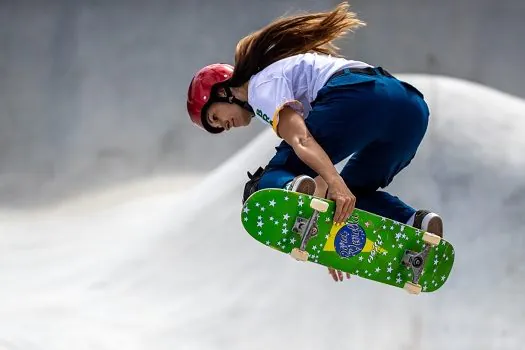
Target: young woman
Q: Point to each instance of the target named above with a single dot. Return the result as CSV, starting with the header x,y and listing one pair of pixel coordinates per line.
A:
x,y
325,108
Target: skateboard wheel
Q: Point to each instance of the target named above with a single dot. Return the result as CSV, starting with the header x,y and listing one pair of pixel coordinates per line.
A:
x,y
431,239
299,255
412,288
319,205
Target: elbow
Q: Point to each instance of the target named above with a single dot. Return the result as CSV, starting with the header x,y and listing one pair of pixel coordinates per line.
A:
x,y
302,142
305,140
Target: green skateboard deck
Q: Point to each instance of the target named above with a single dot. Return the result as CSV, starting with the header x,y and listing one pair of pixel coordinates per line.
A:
x,y
367,245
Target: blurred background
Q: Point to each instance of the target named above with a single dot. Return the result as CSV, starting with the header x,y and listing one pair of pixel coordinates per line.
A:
x,y
120,221
92,93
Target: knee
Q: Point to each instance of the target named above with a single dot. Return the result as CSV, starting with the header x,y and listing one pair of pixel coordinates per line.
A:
x,y
266,178
252,185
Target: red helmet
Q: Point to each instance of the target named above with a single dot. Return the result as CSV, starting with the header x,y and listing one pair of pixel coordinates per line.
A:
x,y
201,93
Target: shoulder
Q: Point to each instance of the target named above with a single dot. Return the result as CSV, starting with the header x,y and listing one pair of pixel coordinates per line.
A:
x,y
267,82
273,72
298,64
278,70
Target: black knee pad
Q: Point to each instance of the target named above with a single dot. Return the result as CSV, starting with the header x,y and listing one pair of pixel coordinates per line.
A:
x,y
253,183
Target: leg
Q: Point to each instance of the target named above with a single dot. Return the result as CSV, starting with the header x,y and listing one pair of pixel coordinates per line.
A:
x,y
375,167
369,170
279,174
385,204
281,170
364,173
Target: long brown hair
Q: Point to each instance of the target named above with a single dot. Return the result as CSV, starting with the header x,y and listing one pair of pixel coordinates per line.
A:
x,y
288,36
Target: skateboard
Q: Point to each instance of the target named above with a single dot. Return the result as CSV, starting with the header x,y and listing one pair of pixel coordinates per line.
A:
x,y
367,245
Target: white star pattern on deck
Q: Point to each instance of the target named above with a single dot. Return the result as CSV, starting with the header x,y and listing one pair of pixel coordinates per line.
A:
x,y
377,268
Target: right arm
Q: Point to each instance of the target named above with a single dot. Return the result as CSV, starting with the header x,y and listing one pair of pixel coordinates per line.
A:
x,y
274,94
293,130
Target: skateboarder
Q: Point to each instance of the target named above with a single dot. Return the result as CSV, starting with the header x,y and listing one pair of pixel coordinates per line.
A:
x,y
325,108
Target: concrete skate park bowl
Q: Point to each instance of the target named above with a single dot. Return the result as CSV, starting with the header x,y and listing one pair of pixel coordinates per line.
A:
x,y
177,271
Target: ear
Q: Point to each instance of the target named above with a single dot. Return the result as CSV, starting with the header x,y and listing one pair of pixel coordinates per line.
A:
x,y
221,92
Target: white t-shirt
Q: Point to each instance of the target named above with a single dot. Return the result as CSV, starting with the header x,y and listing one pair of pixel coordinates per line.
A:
x,y
293,81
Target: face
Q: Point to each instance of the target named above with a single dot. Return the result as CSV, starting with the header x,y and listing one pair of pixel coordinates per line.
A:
x,y
227,115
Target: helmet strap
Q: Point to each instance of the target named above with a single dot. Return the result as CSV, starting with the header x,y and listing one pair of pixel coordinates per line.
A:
x,y
233,99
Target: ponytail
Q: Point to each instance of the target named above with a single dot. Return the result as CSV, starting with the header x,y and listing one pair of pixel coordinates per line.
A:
x,y
289,36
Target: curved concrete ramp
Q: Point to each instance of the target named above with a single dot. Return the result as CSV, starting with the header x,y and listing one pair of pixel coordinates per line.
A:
x,y
179,272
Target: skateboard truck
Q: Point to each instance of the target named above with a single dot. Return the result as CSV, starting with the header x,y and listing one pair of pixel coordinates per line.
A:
x,y
416,261
307,228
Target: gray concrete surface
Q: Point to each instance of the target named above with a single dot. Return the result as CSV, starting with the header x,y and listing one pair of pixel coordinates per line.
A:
x,y
169,270
92,93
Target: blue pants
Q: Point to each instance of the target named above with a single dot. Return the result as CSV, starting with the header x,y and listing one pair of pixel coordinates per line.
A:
x,y
377,119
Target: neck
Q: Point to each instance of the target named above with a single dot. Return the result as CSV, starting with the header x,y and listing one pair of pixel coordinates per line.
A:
x,y
241,92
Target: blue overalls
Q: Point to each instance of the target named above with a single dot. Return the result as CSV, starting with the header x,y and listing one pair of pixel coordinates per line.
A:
x,y
372,115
